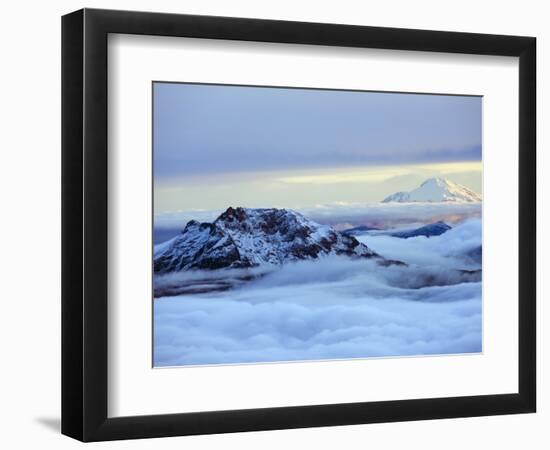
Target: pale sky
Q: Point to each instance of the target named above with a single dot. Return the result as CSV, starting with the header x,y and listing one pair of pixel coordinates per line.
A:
x,y
219,146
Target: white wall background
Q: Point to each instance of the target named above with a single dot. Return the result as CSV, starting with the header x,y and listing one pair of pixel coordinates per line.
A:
x,y
30,189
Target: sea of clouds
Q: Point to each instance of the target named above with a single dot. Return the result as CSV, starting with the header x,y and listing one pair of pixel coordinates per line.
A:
x,y
392,215
340,215
335,308
448,250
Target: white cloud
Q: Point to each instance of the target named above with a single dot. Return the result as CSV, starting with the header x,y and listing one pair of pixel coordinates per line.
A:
x,y
382,214
331,309
447,250
392,214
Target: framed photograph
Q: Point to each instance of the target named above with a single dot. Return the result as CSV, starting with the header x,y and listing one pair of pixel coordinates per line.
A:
x,y
272,224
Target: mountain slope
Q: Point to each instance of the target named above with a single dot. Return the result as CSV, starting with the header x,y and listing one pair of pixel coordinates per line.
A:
x,y
436,190
361,229
245,237
432,229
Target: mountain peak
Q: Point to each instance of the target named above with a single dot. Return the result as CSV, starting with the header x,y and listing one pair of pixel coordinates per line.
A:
x,y
436,189
238,213
436,180
248,237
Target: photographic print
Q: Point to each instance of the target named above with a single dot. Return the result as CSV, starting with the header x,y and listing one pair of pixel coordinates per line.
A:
x,y
300,224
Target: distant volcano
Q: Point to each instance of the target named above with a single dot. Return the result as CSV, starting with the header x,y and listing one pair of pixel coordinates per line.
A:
x,y
436,190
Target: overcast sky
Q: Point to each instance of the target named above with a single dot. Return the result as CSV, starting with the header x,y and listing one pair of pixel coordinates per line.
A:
x,y
212,139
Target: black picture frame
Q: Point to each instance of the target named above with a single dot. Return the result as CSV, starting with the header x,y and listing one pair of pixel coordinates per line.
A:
x,y
84,224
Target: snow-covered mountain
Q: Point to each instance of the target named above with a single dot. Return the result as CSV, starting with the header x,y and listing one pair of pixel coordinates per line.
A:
x,y
244,237
436,190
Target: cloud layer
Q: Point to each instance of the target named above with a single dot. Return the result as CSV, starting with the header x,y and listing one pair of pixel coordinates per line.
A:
x,y
383,215
448,250
202,129
332,309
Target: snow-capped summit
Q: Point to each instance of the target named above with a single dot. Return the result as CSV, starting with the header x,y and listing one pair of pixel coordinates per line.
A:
x,y
436,190
246,237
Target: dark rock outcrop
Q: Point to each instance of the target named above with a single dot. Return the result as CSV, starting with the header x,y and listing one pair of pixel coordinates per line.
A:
x,y
433,229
